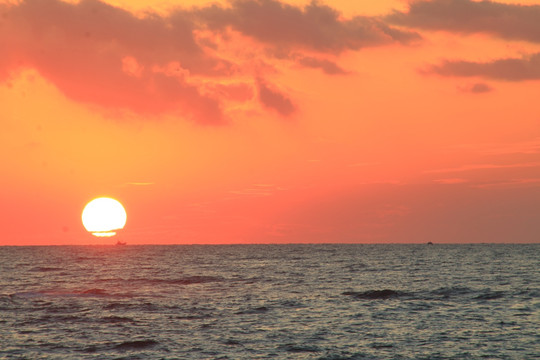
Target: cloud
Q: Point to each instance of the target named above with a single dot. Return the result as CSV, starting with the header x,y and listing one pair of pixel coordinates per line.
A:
x,y
511,69
256,190
315,27
236,91
97,53
273,99
186,62
478,88
327,66
525,147
509,21
474,167
510,183
451,181
322,63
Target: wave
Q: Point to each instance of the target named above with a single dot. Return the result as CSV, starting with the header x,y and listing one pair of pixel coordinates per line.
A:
x,y
490,295
122,346
291,303
136,344
376,294
45,269
94,292
54,319
83,258
359,356
355,267
142,306
443,293
27,294
528,293
447,292
6,299
255,310
59,293
232,342
296,348
117,306
186,280
193,317
117,319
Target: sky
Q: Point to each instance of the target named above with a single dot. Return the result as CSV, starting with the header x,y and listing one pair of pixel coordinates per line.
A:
x,y
271,121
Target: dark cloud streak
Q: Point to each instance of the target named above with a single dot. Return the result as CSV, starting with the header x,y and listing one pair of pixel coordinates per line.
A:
x,y
480,88
512,69
315,27
274,99
327,66
509,21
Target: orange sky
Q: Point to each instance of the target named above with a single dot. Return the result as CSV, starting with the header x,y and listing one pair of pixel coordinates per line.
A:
x,y
251,121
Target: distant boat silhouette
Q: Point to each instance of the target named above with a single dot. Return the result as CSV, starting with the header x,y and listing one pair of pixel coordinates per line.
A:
x,y
120,243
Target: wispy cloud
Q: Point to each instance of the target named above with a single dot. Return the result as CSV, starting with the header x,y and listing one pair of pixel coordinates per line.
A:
x,y
451,181
474,167
257,190
510,183
521,147
362,164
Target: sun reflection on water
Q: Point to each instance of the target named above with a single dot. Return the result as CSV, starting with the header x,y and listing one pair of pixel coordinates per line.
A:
x,y
104,233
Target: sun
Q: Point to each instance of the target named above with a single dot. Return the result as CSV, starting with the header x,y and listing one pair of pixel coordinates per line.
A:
x,y
104,216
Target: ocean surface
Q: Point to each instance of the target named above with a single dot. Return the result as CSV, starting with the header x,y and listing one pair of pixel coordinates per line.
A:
x,y
270,302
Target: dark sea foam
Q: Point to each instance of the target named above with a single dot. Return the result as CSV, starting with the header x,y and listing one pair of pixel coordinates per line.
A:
x,y
270,302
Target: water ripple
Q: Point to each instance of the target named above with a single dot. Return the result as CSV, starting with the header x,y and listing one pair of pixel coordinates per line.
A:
x,y
270,302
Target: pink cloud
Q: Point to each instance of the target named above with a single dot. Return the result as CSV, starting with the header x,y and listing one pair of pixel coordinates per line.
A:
x,y
451,181
522,147
100,54
510,183
484,167
240,92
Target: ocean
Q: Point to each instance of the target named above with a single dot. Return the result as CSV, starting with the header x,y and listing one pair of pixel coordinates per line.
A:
x,y
327,301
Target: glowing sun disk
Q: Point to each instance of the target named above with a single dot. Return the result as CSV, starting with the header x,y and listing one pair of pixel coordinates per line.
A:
x,y
102,216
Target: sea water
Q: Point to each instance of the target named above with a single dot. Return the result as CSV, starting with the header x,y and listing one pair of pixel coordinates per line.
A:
x,y
270,302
